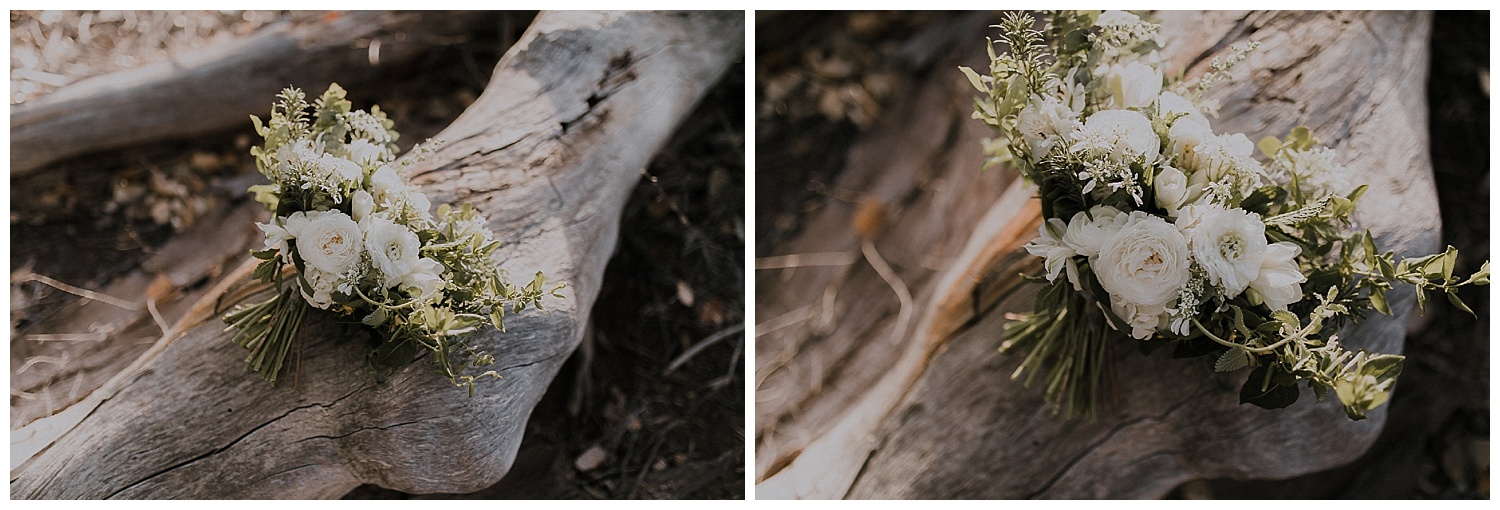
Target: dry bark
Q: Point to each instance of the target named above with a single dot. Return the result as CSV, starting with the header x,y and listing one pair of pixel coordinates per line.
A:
x,y
847,409
215,88
549,153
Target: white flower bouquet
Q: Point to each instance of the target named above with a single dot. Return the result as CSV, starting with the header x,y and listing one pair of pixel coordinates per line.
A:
x,y
352,242
1161,229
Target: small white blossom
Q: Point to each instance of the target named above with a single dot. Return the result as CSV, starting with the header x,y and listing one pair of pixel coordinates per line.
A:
x,y
1049,245
1279,281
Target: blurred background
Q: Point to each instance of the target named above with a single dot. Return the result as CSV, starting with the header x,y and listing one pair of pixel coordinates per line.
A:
x,y
616,423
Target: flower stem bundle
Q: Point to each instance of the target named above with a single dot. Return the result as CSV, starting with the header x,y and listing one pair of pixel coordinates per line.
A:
x,y
351,243
1158,228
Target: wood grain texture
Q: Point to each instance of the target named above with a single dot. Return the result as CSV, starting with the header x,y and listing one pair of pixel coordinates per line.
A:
x,y
549,153
215,88
961,427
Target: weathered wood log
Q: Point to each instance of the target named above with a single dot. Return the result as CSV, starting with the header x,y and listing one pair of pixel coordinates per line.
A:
x,y
215,88
844,412
549,153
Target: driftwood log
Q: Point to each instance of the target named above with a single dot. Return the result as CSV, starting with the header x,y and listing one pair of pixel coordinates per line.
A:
x,y
549,153
852,402
215,88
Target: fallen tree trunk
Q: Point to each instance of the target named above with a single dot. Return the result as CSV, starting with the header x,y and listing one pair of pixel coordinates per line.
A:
x,y
216,88
549,153
850,403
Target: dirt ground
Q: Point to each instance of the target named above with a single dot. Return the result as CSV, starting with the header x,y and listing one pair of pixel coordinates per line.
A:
x,y
829,74
616,423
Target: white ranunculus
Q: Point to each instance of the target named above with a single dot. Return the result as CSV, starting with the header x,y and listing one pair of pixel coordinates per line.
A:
x,y
1229,244
385,181
362,205
1135,85
394,249
1173,190
1279,282
1049,245
1085,235
1044,123
327,240
1144,320
1173,104
1123,135
1145,263
363,152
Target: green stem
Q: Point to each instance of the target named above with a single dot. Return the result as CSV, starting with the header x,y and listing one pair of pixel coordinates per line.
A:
x,y
1257,350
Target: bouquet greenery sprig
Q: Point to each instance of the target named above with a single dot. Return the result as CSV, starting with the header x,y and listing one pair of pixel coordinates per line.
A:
x,y
1157,227
352,242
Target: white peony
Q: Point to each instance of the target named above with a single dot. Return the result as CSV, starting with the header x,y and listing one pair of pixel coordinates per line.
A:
x,y
1279,282
1049,245
1144,320
327,240
1045,122
1086,236
394,249
1133,86
362,205
1123,135
1145,263
1219,155
363,152
1229,244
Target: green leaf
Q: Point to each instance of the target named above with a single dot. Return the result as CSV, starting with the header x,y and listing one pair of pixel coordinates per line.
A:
x,y
1273,396
375,318
266,254
1459,303
975,79
1269,146
1377,299
1319,390
1288,318
260,127
1232,359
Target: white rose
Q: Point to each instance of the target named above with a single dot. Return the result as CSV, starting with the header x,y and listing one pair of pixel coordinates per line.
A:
x,y
1173,191
328,240
362,205
394,249
1049,245
363,152
1279,282
1085,236
1135,85
1123,135
1144,320
1044,122
1229,244
1145,263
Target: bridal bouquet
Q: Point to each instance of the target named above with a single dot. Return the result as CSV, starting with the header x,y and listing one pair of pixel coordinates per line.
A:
x,y
351,241
1161,229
